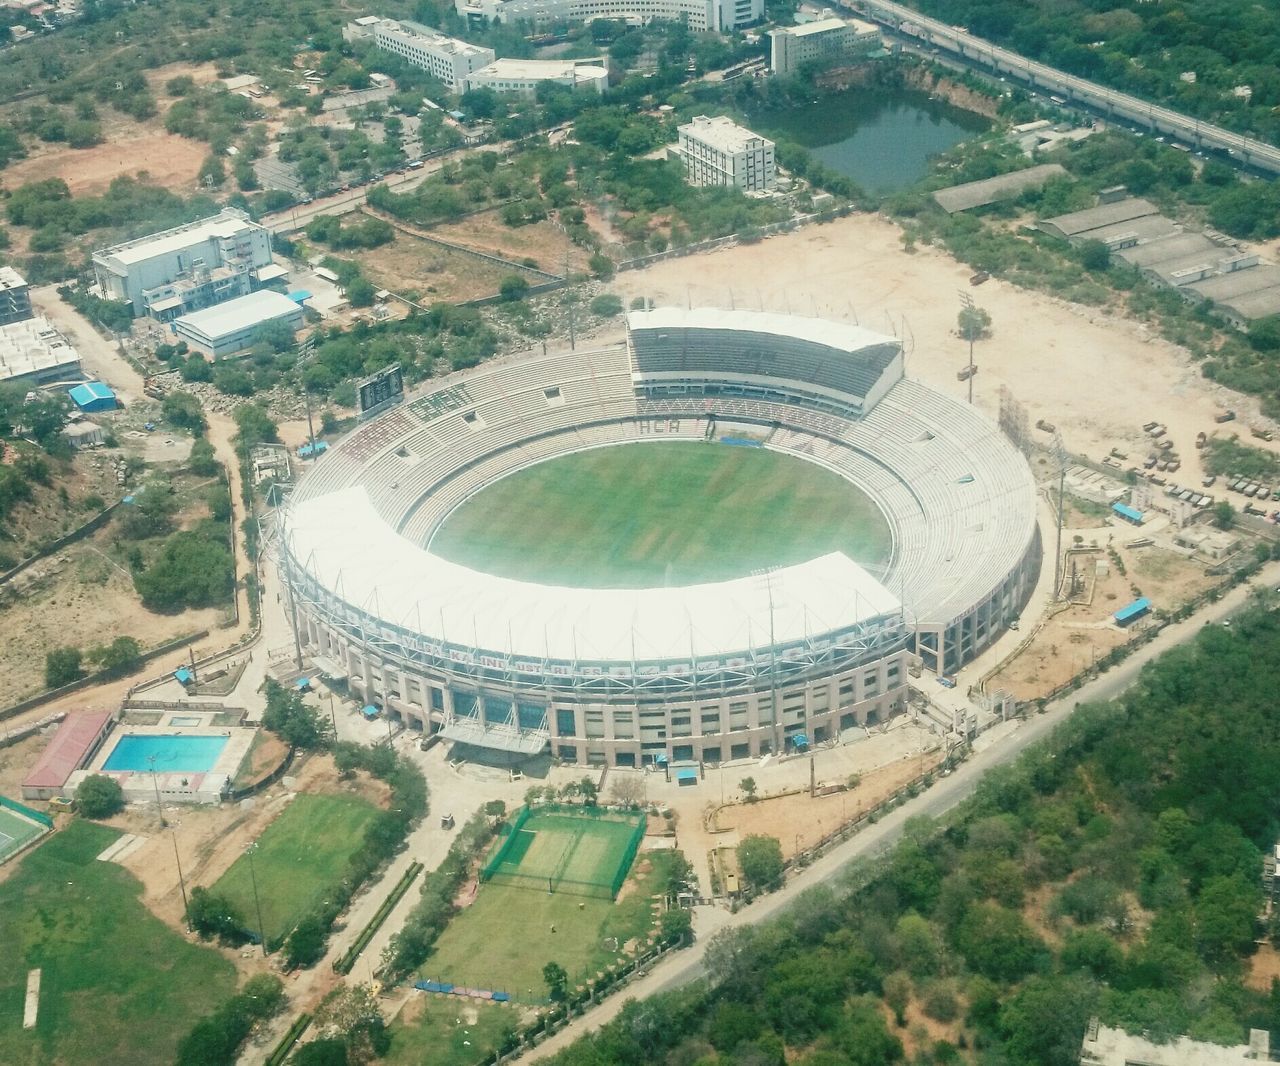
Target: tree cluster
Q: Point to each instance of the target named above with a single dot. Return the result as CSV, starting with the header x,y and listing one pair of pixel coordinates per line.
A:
x,y
217,1039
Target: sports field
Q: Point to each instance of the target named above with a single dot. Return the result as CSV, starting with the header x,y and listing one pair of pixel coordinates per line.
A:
x,y
673,513
565,851
16,832
299,856
117,984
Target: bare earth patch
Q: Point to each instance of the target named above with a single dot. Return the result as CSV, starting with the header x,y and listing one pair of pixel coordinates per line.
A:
x,y
166,159
542,242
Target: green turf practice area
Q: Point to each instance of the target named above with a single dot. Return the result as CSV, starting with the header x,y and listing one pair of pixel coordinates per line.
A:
x,y
503,939
669,513
117,985
17,831
582,851
299,855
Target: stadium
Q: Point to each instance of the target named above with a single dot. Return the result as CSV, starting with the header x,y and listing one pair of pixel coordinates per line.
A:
x,y
771,659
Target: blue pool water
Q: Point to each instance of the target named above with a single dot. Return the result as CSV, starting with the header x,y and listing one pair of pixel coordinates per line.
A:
x,y
193,755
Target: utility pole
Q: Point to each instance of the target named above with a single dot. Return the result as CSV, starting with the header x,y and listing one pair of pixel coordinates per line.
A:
x,y
1060,452
966,304
182,884
257,904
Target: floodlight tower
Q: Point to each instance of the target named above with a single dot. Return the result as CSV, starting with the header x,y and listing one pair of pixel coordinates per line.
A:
x,y
1060,452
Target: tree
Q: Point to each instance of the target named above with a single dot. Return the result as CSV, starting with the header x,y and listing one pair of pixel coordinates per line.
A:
x,y
354,1017
203,460
627,790
194,569
897,994
557,981
513,287
122,656
1224,515
972,322
183,409
305,945
292,720
601,266
748,786
99,796
1094,255
606,305
215,916
326,1051
61,667
760,861
675,926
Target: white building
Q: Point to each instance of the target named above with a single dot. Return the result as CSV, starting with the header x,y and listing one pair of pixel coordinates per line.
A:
x,y
523,76
15,296
188,267
719,16
234,326
717,151
446,58
33,353
822,41
1104,1046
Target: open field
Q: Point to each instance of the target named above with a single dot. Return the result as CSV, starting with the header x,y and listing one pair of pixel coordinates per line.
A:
x,y
165,158
506,935
543,242
117,986
447,1032
647,514
409,265
299,856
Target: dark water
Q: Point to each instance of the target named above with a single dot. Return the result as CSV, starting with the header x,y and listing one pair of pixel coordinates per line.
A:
x,y
882,140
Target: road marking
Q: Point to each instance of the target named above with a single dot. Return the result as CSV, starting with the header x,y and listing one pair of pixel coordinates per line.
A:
x,y
33,999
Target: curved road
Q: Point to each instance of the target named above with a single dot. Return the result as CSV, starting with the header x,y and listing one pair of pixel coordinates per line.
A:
x,y
682,967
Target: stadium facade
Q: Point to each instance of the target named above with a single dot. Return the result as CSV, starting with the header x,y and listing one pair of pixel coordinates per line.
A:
x,y
764,663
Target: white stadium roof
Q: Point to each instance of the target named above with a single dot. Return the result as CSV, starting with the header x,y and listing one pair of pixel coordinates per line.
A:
x,y
346,546
835,335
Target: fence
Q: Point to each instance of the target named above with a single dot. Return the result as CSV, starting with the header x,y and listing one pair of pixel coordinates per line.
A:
x,y
26,812
93,525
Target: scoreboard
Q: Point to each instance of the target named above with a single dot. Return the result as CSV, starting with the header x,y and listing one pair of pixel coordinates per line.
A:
x,y
381,390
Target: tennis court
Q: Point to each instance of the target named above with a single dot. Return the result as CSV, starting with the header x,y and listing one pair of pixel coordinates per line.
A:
x,y
576,850
17,829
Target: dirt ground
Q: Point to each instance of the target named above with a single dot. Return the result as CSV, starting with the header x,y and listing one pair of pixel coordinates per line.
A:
x,y
1264,968
1051,355
79,598
166,160
408,265
542,242
799,822
16,761
1073,639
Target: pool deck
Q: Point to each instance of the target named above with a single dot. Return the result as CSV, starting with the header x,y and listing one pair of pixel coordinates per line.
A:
x,y
140,786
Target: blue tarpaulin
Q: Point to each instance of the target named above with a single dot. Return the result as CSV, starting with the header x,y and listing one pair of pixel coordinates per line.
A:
x,y
304,451
183,676
369,711
741,442
801,741
687,777
303,683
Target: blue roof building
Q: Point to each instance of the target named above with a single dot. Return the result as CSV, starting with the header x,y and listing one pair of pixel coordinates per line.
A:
x,y
1129,514
93,396
1130,614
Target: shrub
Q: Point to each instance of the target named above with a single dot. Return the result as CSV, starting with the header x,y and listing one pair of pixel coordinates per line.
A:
x,y
99,796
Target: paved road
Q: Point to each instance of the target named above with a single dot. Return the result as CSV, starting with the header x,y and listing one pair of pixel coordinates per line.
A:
x,y
1106,101
686,966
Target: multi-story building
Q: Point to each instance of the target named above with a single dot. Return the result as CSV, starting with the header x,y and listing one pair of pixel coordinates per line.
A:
x,y
823,41
717,151
33,354
15,297
447,58
188,267
701,16
235,326
523,76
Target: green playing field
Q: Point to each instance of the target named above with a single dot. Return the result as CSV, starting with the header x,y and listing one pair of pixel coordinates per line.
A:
x,y
673,513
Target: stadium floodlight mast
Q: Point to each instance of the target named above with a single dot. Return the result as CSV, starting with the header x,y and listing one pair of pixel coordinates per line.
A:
x,y
253,880
765,576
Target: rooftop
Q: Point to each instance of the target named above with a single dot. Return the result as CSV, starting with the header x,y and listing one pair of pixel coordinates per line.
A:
x,y
349,547
818,26
1079,222
227,223
435,38
11,279
835,335
1104,1046
539,69
721,132
32,346
237,314
70,744
989,190
1237,283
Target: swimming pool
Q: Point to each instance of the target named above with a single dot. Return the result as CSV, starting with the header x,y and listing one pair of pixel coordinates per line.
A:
x,y
173,754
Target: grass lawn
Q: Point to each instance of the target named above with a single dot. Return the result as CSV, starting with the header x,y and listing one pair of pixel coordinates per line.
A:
x,y
640,515
447,1032
504,939
117,985
299,855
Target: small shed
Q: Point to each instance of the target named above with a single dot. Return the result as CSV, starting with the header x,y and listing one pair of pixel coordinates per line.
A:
x,y
93,396
1129,514
1130,614
83,434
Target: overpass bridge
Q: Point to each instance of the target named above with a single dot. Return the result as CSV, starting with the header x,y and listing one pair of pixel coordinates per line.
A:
x,y
1107,102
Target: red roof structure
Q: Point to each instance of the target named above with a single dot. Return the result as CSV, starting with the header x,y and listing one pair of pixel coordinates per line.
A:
x,y
74,739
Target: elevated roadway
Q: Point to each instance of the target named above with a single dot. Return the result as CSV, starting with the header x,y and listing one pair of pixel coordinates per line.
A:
x,y
1106,102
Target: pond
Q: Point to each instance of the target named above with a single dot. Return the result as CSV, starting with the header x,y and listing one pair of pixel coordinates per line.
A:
x,y
880,139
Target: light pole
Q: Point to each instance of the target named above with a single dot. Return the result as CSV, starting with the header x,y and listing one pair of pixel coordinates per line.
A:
x,y
966,304
182,884
151,761
257,904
